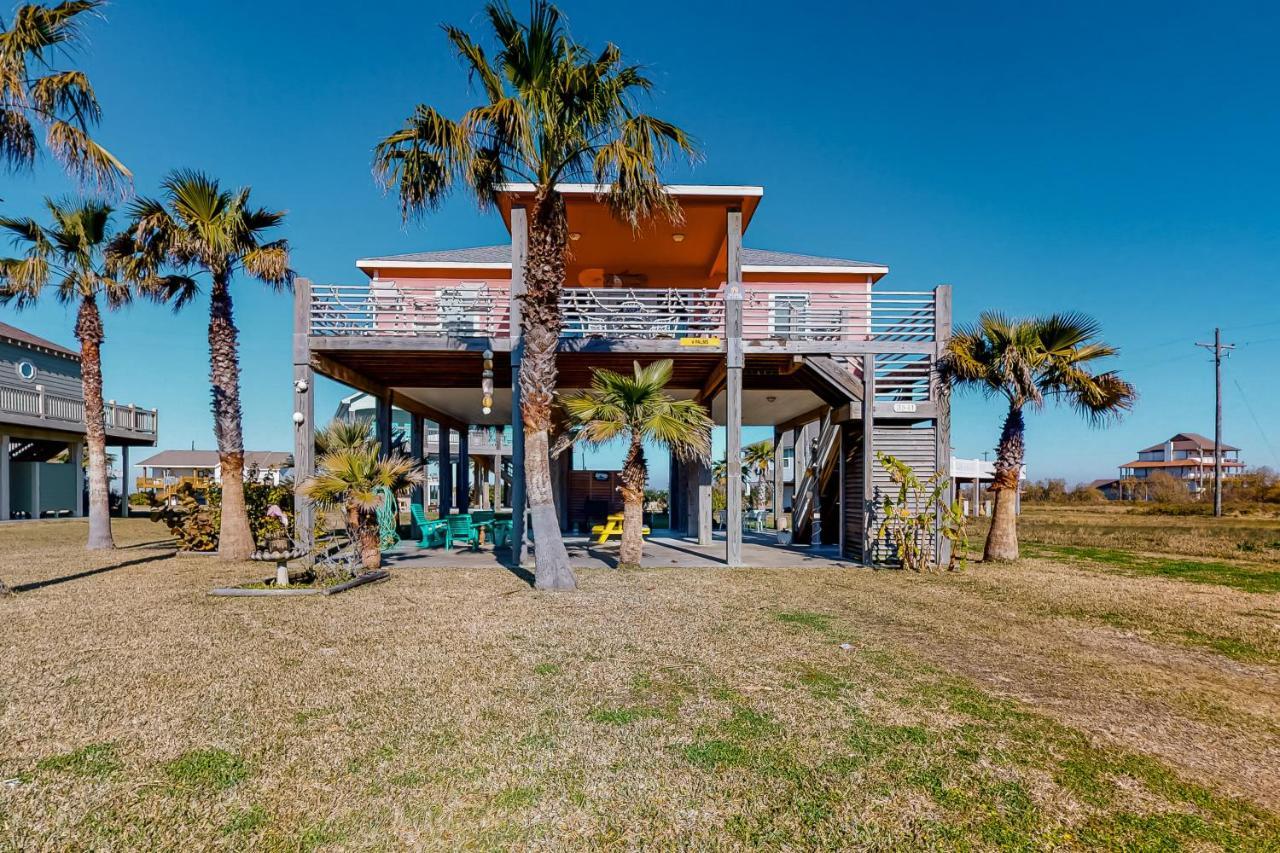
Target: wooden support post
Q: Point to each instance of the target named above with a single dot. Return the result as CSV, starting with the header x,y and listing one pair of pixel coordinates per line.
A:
x,y
704,504
778,482
126,487
734,364
464,470
692,508
868,457
445,457
939,393
675,495
4,478
382,424
519,255
304,415
417,451
77,457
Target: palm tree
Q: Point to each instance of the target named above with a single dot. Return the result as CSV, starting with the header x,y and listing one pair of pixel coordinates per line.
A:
x,y
70,255
34,93
552,112
345,435
758,458
638,408
352,479
200,227
1029,361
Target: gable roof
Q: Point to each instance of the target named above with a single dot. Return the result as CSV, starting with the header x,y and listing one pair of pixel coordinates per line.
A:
x,y
1186,441
209,459
499,257
14,335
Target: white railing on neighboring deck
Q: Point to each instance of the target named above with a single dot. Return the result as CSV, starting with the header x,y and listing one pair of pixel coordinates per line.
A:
x,y
641,313
796,314
460,310
37,403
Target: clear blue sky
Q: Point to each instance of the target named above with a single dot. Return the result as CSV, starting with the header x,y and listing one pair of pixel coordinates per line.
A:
x,y
1115,158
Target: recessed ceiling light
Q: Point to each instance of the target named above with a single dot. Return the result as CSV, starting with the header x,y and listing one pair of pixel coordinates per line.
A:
x,y
575,235
678,237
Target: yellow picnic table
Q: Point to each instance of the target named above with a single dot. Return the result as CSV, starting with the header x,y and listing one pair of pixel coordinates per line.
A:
x,y
613,527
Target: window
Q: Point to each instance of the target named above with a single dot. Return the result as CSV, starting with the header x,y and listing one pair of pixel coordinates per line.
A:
x,y
788,312
26,371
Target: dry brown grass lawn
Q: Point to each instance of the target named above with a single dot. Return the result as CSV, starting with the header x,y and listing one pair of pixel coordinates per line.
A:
x,y
1038,706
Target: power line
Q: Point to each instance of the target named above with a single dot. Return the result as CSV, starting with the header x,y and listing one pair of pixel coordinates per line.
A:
x,y
1256,422
1218,348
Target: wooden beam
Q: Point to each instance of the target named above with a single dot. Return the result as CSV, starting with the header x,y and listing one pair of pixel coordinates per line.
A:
x,y
339,372
756,346
800,420
382,412
714,384
832,371
406,343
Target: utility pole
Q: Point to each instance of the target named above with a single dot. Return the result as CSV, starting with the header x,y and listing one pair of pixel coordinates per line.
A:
x,y
1218,347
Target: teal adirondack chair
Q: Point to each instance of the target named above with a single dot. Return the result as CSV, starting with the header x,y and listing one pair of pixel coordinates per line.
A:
x,y
460,529
433,532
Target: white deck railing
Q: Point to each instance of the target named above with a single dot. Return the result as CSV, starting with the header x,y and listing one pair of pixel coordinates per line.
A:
x,y
459,310
476,310
36,403
796,314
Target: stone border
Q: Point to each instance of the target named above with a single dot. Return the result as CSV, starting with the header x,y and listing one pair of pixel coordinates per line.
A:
x,y
358,580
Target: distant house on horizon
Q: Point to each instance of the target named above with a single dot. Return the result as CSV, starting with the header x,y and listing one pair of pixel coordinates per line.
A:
x,y
164,472
1187,457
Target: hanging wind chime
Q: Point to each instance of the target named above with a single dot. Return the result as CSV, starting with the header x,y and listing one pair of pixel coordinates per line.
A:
x,y
486,383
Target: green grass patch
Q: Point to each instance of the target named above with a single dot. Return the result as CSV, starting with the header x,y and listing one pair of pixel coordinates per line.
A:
x,y
804,619
547,669
94,761
207,769
246,821
517,797
1246,578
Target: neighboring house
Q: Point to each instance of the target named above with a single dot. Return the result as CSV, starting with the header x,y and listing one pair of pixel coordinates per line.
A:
x,y
1110,488
42,419
163,473
1187,457
488,448
758,337
972,476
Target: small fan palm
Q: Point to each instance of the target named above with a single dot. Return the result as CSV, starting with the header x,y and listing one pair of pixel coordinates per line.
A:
x,y
69,256
61,101
354,434
758,458
551,112
638,409
351,479
1028,362
198,227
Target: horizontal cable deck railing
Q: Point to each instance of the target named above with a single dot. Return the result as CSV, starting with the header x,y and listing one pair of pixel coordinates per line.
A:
x,y
799,315
461,311
467,310
36,403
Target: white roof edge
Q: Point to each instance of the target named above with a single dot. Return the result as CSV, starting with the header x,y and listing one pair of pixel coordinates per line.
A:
x,y
798,268
673,189
382,264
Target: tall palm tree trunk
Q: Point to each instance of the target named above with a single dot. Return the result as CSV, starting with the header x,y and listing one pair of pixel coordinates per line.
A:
x,y
544,275
1002,539
235,541
90,335
634,474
